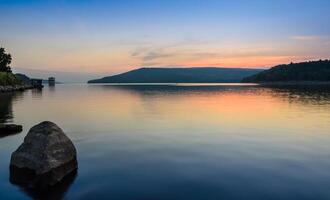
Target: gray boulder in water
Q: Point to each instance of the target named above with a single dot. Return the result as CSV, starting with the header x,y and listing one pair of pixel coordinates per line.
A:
x,y
46,156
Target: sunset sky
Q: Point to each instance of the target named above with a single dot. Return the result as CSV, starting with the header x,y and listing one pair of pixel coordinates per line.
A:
x,y
113,36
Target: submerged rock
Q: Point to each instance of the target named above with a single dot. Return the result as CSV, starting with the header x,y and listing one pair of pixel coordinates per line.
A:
x,y
7,129
56,192
46,156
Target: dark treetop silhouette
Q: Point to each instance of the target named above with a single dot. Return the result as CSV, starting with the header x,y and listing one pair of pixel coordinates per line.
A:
x,y
5,60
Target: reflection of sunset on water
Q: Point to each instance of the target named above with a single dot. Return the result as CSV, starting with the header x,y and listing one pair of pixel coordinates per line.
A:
x,y
217,107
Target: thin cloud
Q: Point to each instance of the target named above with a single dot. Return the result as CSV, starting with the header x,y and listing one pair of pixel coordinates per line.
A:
x,y
153,55
307,37
148,64
139,51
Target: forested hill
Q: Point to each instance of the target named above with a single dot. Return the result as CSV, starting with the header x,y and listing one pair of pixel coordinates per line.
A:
x,y
179,75
304,71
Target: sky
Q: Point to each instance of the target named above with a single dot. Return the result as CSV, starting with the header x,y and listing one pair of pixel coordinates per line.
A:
x,y
109,37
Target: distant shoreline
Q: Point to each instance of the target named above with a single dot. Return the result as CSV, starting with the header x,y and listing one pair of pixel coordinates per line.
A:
x,y
283,83
222,83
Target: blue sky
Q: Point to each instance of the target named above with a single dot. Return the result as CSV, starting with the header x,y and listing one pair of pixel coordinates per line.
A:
x,y
114,36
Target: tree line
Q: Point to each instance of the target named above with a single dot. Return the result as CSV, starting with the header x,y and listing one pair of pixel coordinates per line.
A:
x,y
304,71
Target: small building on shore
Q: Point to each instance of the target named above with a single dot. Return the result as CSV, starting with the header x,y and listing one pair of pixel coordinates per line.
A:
x,y
51,81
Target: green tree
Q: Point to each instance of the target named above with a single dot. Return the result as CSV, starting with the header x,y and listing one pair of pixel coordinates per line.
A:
x,y
5,60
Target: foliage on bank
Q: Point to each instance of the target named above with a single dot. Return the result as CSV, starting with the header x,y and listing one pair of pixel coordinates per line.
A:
x,y
7,79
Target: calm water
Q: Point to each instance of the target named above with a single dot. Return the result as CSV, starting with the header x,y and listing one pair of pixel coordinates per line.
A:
x,y
181,142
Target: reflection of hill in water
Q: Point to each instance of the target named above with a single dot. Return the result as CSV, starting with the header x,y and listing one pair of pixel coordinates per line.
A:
x,y
312,94
177,89
6,106
308,94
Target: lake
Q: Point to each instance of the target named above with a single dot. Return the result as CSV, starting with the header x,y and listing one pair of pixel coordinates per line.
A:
x,y
188,141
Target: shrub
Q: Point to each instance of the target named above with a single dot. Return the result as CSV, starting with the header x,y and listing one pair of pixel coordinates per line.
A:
x,y
7,78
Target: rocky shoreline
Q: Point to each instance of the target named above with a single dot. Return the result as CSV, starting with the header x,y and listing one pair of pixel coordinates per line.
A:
x,y
10,129
12,88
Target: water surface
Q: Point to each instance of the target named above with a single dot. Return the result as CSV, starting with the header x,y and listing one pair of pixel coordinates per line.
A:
x,y
184,141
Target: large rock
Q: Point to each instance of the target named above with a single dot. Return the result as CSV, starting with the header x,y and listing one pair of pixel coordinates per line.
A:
x,y
46,156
